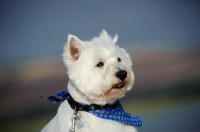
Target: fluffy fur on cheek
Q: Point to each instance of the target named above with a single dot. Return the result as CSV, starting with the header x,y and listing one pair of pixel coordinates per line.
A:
x,y
91,80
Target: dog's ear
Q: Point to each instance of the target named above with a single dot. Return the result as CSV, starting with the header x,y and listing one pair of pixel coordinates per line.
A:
x,y
104,34
74,47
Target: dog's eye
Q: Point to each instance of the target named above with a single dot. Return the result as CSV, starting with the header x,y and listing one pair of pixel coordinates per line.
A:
x,y
119,59
100,64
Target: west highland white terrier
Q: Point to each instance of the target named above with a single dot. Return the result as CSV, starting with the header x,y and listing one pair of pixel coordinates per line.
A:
x,y
99,74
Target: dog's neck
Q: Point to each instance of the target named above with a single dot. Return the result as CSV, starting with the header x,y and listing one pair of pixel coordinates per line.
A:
x,y
80,97
76,94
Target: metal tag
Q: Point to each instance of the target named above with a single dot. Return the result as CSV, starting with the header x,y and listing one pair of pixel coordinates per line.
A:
x,y
79,123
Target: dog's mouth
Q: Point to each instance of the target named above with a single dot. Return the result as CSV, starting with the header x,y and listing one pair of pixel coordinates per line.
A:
x,y
119,85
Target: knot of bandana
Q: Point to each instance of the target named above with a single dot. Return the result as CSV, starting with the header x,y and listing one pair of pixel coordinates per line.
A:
x,y
113,112
54,99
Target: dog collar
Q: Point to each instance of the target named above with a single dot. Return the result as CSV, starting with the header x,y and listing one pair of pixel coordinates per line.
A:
x,y
78,106
109,111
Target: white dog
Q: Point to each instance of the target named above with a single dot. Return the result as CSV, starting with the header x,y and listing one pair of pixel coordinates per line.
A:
x,y
99,74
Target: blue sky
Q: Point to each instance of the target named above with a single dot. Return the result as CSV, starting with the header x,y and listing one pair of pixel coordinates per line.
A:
x,y
37,28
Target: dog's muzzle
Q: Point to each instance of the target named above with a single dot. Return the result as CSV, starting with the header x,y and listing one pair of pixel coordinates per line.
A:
x,y
122,76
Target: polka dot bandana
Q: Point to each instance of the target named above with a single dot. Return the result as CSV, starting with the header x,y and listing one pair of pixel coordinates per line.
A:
x,y
117,114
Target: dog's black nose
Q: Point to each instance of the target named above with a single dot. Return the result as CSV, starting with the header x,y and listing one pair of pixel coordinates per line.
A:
x,y
121,74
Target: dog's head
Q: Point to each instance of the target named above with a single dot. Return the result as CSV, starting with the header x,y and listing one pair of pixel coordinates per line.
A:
x,y
98,68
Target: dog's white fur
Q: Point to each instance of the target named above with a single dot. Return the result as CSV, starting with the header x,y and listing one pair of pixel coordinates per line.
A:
x,y
92,84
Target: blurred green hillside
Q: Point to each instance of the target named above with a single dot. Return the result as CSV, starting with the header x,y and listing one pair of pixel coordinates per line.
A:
x,y
166,93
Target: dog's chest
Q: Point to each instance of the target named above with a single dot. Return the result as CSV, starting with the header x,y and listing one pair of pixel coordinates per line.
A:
x,y
96,124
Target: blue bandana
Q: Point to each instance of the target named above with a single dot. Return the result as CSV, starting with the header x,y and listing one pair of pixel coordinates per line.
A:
x,y
113,112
